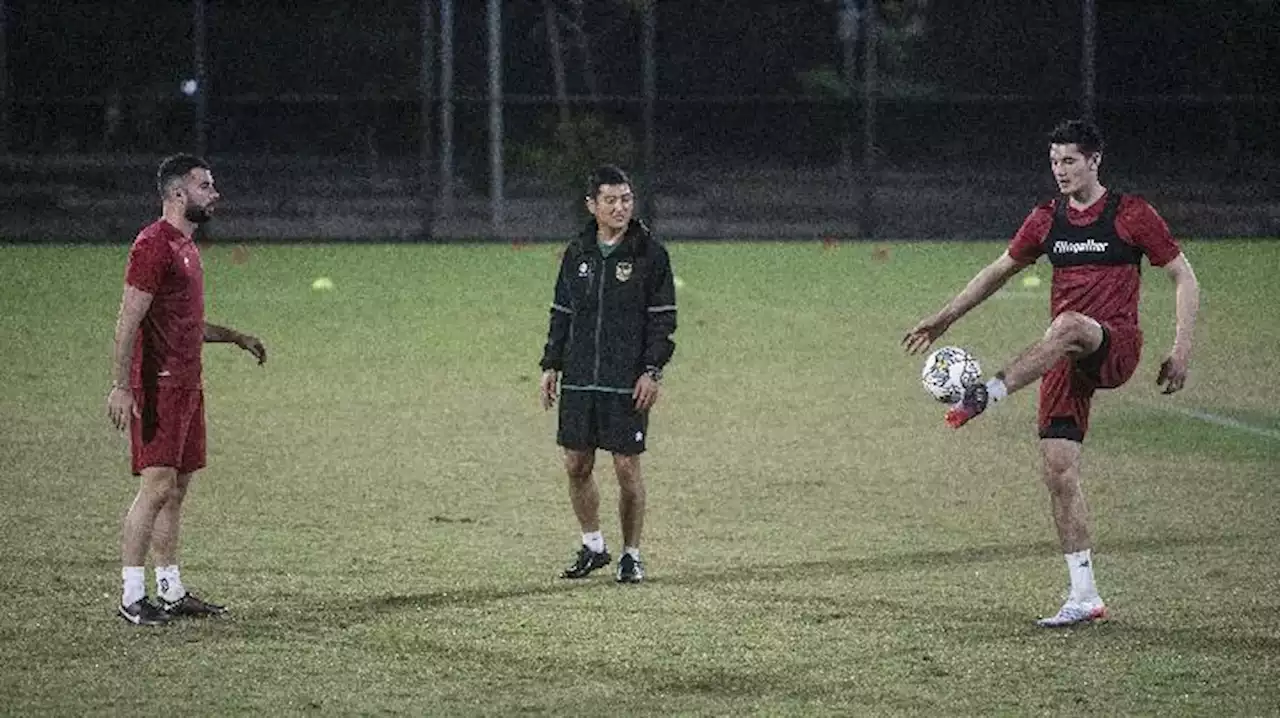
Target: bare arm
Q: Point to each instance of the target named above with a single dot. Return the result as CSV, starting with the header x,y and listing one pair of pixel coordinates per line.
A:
x,y
133,307
983,285
214,333
1173,370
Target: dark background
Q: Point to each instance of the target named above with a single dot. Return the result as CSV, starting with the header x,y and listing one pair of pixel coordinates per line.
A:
x,y
1187,91
78,48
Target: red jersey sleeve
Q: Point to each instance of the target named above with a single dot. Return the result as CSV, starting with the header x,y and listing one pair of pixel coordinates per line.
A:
x,y
149,260
1028,243
1139,223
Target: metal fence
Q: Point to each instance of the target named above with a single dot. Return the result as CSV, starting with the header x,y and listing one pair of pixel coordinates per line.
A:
x,y
439,119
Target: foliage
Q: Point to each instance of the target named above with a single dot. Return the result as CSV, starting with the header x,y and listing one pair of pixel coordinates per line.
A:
x,y
900,41
575,147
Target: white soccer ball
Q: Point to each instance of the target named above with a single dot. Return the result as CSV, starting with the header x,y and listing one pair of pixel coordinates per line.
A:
x,y
948,372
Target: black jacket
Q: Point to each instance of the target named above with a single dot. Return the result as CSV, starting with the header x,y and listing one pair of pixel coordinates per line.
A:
x,y
613,317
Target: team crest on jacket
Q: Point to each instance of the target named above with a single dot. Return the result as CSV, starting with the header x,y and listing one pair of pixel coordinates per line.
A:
x,y
622,271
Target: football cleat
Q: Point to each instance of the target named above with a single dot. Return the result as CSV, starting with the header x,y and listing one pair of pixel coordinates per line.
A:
x,y
630,570
586,562
190,606
143,612
1074,613
973,403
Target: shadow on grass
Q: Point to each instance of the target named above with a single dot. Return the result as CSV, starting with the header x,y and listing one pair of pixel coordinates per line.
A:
x,y
1186,640
713,576
993,623
300,615
941,558
774,572
464,597
665,675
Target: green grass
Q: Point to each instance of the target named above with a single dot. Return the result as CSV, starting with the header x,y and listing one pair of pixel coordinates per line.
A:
x,y
385,509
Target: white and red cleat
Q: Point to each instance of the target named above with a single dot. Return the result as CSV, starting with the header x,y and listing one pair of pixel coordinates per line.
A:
x,y
973,403
1074,613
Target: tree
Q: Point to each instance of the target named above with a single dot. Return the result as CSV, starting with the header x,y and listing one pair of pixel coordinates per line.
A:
x,y
577,139
556,51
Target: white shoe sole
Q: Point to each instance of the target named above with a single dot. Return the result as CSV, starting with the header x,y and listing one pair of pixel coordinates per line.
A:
x,y
1095,615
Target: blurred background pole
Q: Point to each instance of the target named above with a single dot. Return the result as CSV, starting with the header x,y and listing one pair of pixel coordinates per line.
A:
x,y
496,202
426,168
1088,51
446,107
649,196
4,80
847,28
870,89
199,47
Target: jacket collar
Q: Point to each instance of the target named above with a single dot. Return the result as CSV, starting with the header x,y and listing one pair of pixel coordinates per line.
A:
x,y
634,241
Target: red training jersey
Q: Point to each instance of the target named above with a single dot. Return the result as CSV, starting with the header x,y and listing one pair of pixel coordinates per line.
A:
x,y
165,263
1090,276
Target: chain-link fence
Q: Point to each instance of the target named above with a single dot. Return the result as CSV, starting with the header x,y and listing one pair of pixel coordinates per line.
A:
x,y
465,118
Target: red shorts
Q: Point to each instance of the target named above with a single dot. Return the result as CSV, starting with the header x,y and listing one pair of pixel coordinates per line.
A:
x,y
171,430
1066,391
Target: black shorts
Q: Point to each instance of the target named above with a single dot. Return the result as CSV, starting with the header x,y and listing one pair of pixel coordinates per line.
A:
x,y
601,420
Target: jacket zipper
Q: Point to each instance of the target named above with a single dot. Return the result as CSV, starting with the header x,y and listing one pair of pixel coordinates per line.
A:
x,y
599,317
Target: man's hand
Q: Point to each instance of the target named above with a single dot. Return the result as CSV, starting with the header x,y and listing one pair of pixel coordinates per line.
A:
x,y
254,346
1173,371
646,392
121,407
924,333
550,378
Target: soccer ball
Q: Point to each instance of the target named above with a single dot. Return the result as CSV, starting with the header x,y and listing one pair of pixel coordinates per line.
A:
x,y
948,372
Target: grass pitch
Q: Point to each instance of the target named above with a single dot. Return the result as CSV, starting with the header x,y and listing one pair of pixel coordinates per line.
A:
x,y
385,510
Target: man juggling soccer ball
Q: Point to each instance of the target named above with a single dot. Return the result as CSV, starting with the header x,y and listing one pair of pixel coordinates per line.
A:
x,y
1095,240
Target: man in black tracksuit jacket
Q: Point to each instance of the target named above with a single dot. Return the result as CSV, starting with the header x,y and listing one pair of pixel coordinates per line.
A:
x,y
612,320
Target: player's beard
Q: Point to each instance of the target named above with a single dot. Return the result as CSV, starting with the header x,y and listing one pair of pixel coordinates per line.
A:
x,y
196,214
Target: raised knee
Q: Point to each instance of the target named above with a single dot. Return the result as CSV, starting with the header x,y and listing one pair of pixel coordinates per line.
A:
x,y
1071,327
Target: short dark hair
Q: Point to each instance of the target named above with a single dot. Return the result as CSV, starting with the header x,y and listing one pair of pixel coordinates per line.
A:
x,y
603,175
176,167
1081,133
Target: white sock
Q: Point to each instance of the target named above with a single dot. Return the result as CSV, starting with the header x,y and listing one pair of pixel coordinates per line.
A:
x,y
594,541
135,585
996,390
632,551
169,583
1080,566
